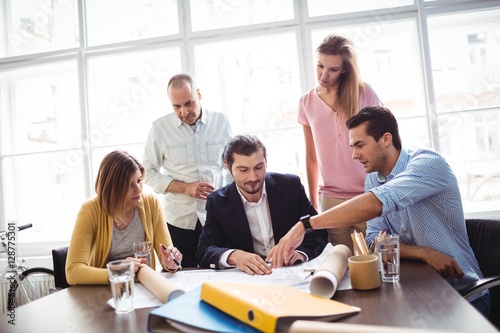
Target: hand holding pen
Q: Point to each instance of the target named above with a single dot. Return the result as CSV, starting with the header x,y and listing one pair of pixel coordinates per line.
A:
x,y
174,257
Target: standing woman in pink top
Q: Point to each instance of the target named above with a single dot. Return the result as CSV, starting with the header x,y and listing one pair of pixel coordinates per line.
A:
x,y
332,175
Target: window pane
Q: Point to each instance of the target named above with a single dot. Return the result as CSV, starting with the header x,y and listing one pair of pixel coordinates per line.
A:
x,y
328,7
38,26
389,61
98,154
289,160
465,56
45,190
127,92
254,80
40,109
466,72
216,14
113,21
414,132
471,143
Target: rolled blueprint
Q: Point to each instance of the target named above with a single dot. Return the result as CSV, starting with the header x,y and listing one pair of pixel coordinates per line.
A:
x,y
328,275
306,326
158,285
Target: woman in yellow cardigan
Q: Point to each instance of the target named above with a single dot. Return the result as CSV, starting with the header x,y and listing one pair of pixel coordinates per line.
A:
x,y
119,215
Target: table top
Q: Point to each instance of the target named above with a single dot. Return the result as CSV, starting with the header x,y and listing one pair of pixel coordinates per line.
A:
x,y
421,299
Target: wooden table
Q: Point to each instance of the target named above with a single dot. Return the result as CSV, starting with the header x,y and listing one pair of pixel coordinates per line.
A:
x,y
421,299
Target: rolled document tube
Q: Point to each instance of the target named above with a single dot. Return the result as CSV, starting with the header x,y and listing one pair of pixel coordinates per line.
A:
x,y
306,326
163,289
328,275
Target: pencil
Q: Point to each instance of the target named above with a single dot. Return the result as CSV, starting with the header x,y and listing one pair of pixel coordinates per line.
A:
x,y
355,246
363,242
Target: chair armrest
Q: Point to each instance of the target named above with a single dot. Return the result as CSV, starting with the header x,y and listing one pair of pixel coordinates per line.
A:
x,y
480,285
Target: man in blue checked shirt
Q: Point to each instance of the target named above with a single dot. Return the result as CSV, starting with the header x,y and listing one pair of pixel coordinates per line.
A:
x,y
413,194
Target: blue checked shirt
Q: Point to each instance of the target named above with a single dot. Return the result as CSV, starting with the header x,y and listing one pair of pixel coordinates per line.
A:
x,y
421,203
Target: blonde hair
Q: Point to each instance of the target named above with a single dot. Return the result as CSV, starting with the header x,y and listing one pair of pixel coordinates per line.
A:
x,y
350,85
113,181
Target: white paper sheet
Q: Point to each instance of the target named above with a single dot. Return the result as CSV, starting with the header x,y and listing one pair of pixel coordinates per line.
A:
x,y
297,276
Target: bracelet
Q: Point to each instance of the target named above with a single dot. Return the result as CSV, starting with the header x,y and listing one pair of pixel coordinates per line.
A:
x,y
171,270
136,275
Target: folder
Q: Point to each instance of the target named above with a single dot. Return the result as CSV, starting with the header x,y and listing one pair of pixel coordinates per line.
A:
x,y
271,307
188,313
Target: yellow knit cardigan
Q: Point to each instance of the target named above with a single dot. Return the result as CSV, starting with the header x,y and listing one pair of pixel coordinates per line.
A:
x,y
92,235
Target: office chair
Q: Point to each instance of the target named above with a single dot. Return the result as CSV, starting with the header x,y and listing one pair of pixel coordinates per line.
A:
x,y
59,260
484,239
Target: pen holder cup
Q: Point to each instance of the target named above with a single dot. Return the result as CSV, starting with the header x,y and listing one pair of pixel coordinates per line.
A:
x,y
363,271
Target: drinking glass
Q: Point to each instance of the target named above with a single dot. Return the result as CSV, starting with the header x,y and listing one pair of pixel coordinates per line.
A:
x,y
388,256
142,249
121,279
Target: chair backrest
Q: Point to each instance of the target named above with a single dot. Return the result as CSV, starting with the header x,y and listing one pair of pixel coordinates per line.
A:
x,y
484,239
59,260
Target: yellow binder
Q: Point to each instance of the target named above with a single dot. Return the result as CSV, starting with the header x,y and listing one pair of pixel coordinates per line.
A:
x,y
271,307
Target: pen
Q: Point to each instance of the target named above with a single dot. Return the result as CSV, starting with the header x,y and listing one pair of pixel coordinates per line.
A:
x,y
175,260
172,256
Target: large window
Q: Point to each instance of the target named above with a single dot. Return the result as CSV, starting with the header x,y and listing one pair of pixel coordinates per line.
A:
x,y
256,81
81,78
465,49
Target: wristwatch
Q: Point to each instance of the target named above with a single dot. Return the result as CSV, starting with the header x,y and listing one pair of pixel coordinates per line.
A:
x,y
307,225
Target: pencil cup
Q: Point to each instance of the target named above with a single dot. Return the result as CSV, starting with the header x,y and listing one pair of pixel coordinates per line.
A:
x,y
121,279
363,271
143,250
388,256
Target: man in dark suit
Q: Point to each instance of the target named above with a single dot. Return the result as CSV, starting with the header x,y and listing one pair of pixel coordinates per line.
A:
x,y
246,218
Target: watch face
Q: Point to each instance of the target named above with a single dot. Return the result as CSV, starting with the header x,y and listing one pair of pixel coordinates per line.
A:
x,y
306,223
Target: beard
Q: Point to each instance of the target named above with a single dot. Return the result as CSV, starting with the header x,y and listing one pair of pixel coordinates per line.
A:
x,y
251,189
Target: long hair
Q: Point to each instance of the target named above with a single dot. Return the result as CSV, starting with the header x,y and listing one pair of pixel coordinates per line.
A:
x,y
350,85
113,181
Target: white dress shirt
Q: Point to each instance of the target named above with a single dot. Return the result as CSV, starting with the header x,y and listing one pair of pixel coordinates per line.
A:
x,y
175,151
259,221
261,228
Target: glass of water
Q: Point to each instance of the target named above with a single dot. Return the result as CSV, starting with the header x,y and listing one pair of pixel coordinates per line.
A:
x,y
143,250
121,279
388,257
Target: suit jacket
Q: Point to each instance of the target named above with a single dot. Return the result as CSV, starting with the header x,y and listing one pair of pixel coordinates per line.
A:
x,y
227,226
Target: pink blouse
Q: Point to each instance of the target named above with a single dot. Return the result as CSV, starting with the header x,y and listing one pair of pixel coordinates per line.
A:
x,y
340,176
